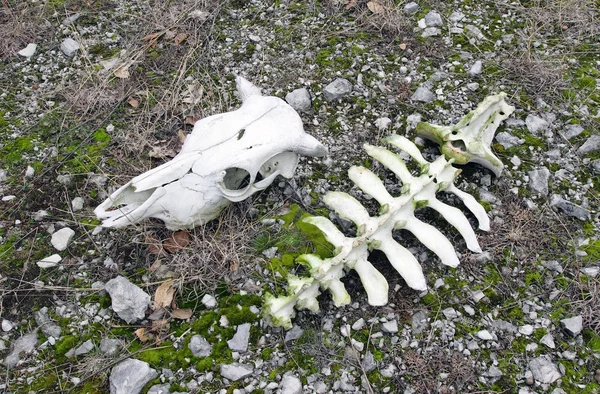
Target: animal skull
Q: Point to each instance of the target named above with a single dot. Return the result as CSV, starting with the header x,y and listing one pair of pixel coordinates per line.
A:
x,y
227,158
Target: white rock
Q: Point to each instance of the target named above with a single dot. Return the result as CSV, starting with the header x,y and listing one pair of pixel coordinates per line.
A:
x,y
430,32
543,370
77,204
236,371
239,342
423,94
50,261
411,8
128,301
8,198
199,346
476,68
337,89
456,16
485,335
24,344
383,123
290,384
538,180
62,238
591,271
29,172
69,47
536,125
526,330
130,376
299,99
548,340
209,301
7,325
390,326
572,325
433,18
28,51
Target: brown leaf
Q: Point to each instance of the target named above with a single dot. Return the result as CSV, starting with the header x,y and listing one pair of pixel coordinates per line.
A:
x,y
143,335
122,72
234,265
153,36
190,120
160,325
375,7
169,35
181,136
155,266
177,241
134,103
182,314
164,294
351,4
154,245
179,38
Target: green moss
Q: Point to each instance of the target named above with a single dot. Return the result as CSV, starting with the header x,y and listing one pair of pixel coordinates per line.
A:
x,y
266,353
205,364
65,344
323,58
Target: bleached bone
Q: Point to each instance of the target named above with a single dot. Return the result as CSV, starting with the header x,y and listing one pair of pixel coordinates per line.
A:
x,y
227,158
375,232
469,140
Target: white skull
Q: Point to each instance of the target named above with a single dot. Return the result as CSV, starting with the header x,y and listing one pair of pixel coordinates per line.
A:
x,y
227,158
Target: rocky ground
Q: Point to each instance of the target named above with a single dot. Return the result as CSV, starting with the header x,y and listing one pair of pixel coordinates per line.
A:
x,y
94,92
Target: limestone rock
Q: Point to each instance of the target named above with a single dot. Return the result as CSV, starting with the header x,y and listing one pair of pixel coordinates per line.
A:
x,y
299,99
47,325
423,94
199,346
62,238
290,384
337,89
130,376
543,370
69,47
591,145
236,371
128,301
572,325
24,344
28,51
538,181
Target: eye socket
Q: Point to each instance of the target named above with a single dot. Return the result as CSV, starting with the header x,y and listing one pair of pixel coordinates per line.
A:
x,y
236,178
459,144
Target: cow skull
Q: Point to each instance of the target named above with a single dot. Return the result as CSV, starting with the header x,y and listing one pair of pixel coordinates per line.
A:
x,y
227,158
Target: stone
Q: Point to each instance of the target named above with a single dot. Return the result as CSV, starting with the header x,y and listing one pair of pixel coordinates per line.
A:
x,y
41,215
475,32
419,321
450,313
423,94
236,371
572,325
508,140
62,238
390,326
383,123
411,8
504,326
239,342
77,204
110,346
28,51
7,325
160,389
476,68
199,346
294,333
572,131
553,265
536,125
337,89
130,376
209,301
456,16
595,166
473,86
543,370
128,301
494,372
69,47
368,363
49,262
526,329
359,324
538,181
433,19
46,324
29,172
430,32
84,348
24,344
484,335
591,145
290,384
569,208
591,271
299,99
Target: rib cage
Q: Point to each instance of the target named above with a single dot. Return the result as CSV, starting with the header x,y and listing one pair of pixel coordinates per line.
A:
x,y
375,232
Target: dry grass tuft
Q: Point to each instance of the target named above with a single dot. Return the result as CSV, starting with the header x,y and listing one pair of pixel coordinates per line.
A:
x,y
540,76
18,27
385,17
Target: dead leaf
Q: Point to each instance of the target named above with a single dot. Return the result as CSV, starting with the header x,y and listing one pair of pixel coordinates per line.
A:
x,y
190,119
182,314
153,36
234,265
194,94
179,38
351,4
122,72
402,46
162,152
375,7
169,35
142,335
160,325
134,103
177,241
154,245
164,294
181,136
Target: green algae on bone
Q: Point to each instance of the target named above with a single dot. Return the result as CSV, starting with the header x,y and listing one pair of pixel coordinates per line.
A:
x,y
470,139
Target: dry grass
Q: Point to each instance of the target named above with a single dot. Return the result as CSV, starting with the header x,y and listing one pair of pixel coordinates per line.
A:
x,y
387,18
18,26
